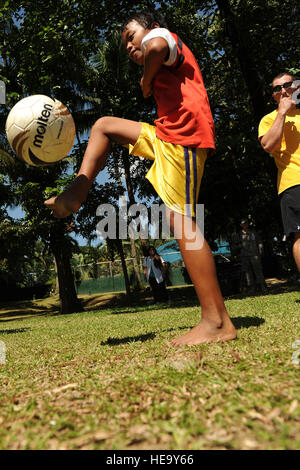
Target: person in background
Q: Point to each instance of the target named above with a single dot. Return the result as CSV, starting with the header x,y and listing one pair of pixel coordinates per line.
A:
x,y
249,247
154,273
279,135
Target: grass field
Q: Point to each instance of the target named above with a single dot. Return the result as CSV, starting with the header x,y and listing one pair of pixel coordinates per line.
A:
x,y
106,378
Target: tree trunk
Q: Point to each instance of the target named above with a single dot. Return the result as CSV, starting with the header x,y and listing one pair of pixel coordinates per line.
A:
x,y
69,303
132,241
136,264
56,277
124,267
242,46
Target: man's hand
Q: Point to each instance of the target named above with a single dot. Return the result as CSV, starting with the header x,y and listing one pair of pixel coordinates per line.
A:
x,y
285,105
272,139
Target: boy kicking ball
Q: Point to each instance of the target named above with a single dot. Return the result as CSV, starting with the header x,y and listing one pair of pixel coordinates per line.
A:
x,y
178,144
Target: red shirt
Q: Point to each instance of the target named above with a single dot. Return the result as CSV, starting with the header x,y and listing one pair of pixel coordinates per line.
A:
x,y
184,115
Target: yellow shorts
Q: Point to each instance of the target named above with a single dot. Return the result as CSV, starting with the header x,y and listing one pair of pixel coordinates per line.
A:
x,y
176,172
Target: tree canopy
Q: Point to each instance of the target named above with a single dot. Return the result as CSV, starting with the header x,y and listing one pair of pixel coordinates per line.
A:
x,y
71,50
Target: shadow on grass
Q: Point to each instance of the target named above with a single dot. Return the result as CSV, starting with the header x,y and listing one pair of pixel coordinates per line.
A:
x,y
120,303
18,330
239,323
22,309
181,296
24,314
144,308
246,322
274,289
142,338
128,339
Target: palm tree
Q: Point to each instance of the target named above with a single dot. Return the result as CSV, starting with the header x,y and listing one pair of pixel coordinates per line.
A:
x,y
112,62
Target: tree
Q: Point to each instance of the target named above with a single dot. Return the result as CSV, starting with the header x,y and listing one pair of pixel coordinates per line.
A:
x,y
37,58
114,69
240,45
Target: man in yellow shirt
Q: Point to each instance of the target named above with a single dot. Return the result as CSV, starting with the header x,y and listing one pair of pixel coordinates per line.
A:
x,y
279,135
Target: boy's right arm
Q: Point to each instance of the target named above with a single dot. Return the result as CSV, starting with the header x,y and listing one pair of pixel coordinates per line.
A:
x,y
155,55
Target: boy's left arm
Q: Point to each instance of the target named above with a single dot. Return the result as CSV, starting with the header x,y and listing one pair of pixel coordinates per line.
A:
x,y
155,55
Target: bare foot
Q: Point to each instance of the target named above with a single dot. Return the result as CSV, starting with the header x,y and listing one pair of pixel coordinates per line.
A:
x,y
206,332
61,207
70,200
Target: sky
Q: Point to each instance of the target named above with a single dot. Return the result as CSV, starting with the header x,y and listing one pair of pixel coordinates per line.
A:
x,y
18,213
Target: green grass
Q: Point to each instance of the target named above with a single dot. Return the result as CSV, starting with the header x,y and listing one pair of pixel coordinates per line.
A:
x,y
106,378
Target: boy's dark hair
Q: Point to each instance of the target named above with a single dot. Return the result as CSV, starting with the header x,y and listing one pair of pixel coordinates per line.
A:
x,y
145,19
282,74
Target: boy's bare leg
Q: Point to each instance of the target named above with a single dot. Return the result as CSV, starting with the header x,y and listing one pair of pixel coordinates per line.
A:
x,y
105,130
215,324
296,250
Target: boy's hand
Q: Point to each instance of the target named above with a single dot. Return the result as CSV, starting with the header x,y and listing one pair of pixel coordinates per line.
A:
x,y
146,88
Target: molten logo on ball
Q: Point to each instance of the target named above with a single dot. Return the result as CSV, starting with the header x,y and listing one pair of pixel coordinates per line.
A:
x,y
42,121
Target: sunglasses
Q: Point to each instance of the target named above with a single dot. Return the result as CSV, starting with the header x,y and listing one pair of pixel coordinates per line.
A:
x,y
277,88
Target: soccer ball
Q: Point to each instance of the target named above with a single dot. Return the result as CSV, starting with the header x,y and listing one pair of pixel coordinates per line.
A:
x,y
40,130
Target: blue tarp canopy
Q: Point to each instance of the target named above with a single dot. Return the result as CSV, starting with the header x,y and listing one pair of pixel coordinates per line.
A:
x,y
170,252
223,248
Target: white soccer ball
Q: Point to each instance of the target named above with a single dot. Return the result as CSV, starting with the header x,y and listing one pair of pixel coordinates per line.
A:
x,y
40,130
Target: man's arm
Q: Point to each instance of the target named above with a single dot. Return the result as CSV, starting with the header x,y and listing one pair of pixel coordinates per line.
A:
x,y
259,243
272,139
155,55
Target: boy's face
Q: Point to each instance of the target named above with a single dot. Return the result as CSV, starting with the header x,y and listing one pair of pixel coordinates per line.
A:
x,y
132,38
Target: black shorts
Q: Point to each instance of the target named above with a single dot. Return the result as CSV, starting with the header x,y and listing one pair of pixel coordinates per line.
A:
x,y
290,210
